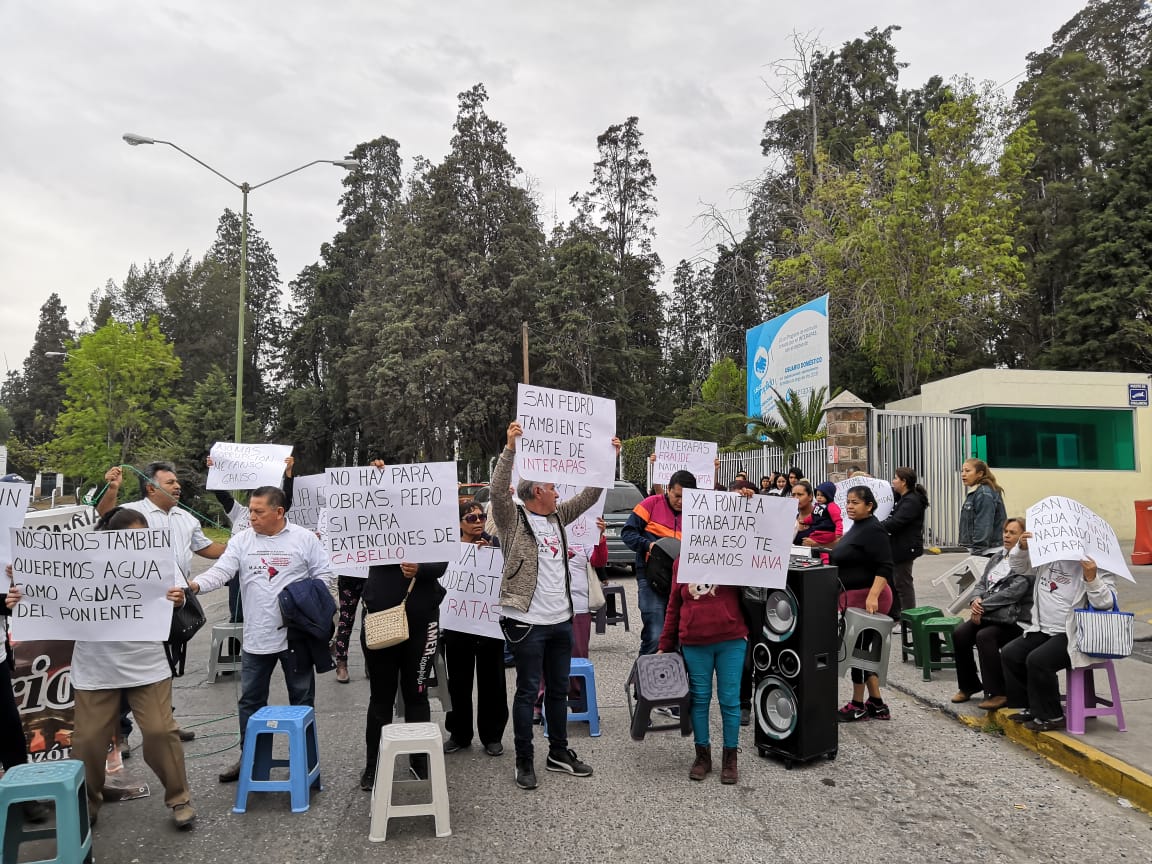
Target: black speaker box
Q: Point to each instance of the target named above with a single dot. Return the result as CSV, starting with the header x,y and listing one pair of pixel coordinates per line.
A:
x,y
794,667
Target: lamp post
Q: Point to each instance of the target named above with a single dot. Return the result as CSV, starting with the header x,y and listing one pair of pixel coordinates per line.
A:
x,y
245,188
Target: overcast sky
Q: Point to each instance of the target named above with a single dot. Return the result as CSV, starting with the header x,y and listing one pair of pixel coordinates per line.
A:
x,y
258,88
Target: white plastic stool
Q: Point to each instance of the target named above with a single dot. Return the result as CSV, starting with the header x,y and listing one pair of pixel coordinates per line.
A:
x,y
961,581
401,739
221,634
866,644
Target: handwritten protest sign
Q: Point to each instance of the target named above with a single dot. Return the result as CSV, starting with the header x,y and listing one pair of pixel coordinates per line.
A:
x,y
567,437
356,571
393,514
13,505
728,539
677,454
583,531
1066,530
246,466
307,501
881,489
472,604
98,586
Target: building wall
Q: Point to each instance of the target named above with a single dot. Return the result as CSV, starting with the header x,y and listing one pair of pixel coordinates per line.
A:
x,y
1109,493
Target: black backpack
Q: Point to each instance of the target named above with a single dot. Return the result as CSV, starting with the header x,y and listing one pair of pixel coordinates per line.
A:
x,y
658,569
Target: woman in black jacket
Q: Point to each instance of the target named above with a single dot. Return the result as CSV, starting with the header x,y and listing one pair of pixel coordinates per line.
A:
x,y
408,664
864,557
905,527
1001,603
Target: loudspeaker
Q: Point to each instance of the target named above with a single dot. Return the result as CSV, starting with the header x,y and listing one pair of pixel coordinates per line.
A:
x,y
794,674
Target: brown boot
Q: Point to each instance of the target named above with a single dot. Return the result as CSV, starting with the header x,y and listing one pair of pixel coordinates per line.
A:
x,y
728,772
702,767
342,671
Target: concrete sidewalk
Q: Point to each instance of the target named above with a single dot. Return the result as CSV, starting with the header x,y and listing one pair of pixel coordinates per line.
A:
x,y
1118,762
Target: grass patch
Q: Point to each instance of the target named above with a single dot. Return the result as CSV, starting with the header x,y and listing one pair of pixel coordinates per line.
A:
x,y
219,535
992,726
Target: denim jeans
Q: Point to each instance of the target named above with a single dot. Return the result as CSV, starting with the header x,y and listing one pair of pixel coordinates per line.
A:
x,y
726,660
540,649
652,608
256,675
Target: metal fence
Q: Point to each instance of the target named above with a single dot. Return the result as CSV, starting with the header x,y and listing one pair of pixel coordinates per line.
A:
x,y
811,457
935,446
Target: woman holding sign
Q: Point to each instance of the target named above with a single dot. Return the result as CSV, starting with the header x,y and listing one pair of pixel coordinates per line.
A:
x,y
864,557
101,673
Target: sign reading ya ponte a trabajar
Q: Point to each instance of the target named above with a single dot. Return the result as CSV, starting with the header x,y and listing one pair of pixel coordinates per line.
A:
x,y
567,437
391,515
728,539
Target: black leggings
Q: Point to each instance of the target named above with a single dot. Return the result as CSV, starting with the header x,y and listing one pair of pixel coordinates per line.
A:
x,y
13,744
1032,667
407,666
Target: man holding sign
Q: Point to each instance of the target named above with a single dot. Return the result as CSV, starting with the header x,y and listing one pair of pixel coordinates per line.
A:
x,y
536,598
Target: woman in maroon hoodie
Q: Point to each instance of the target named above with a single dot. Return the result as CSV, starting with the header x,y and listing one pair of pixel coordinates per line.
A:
x,y
707,624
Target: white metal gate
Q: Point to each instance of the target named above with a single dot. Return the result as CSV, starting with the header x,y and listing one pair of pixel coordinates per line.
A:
x,y
811,457
935,446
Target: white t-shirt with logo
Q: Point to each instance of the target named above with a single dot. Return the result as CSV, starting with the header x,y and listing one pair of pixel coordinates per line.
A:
x,y
1057,588
550,601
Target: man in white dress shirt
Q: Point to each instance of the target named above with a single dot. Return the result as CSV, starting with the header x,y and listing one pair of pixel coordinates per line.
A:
x,y
268,556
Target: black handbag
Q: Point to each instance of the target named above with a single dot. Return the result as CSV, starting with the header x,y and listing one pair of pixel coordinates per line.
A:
x,y
661,561
186,623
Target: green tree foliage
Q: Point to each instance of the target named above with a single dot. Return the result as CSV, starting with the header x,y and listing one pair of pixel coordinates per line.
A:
x,y
118,382
916,249
720,414
5,423
686,332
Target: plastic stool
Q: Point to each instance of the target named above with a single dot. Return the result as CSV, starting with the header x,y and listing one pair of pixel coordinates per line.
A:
x,y
913,642
581,668
614,598
298,722
218,660
866,643
1083,702
941,653
400,739
63,784
660,681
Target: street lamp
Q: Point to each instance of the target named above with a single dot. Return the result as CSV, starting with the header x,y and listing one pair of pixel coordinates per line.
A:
x,y
136,140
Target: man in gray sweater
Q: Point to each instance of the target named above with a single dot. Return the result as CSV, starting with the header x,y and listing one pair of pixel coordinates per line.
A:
x,y
536,600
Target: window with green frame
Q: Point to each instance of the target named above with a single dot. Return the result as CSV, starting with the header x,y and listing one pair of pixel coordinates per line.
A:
x,y
1086,439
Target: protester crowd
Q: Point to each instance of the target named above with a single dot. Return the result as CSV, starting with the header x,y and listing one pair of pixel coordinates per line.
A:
x,y
1020,626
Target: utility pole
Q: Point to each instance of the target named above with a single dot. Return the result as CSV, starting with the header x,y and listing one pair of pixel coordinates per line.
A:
x,y
524,342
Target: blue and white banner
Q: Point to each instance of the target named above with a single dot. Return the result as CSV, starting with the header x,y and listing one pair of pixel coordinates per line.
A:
x,y
790,352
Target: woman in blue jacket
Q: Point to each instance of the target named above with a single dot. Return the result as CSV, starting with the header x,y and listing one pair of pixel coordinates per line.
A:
x,y
983,515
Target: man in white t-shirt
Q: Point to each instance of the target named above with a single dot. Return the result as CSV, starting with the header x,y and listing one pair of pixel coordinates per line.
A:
x,y
268,556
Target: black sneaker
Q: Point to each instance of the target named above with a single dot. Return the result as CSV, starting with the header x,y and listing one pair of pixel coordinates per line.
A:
x,y
368,778
1024,716
525,773
453,746
566,761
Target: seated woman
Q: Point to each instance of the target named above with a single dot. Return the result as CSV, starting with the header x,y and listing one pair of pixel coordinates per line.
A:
x,y
810,517
1032,662
1001,603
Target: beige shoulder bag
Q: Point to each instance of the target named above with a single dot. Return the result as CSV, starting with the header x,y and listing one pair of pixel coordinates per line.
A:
x,y
389,626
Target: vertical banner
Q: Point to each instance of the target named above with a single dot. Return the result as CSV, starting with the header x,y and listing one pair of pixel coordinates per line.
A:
x,y
732,540
14,499
677,454
567,437
246,466
393,514
790,352
472,604
307,501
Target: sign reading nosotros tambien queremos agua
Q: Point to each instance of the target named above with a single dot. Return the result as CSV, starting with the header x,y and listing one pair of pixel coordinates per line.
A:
x,y
391,515
472,604
678,454
96,586
788,353
567,437
728,539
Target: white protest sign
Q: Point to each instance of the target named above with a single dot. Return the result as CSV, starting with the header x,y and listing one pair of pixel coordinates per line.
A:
x,y
307,500
13,505
583,531
393,514
355,571
567,437
677,454
97,586
246,466
472,604
881,490
1066,530
728,539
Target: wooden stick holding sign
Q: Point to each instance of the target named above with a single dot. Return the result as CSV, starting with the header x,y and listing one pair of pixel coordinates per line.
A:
x,y
734,539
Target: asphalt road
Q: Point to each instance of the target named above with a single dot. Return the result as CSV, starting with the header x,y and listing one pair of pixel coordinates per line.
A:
x,y
918,788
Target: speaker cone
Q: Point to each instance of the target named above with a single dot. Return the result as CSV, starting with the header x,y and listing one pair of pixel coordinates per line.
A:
x,y
788,663
777,708
761,657
780,616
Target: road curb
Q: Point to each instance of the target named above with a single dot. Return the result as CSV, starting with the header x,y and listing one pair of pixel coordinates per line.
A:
x,y
1070,752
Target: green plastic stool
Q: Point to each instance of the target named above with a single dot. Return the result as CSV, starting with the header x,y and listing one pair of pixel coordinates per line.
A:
x,y
941,653
913,639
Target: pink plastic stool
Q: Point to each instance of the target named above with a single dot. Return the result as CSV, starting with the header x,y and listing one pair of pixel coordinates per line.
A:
x,y
1083,701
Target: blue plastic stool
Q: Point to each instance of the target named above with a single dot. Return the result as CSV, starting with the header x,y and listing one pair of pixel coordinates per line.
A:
x,y
298,722
63,784
582,668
